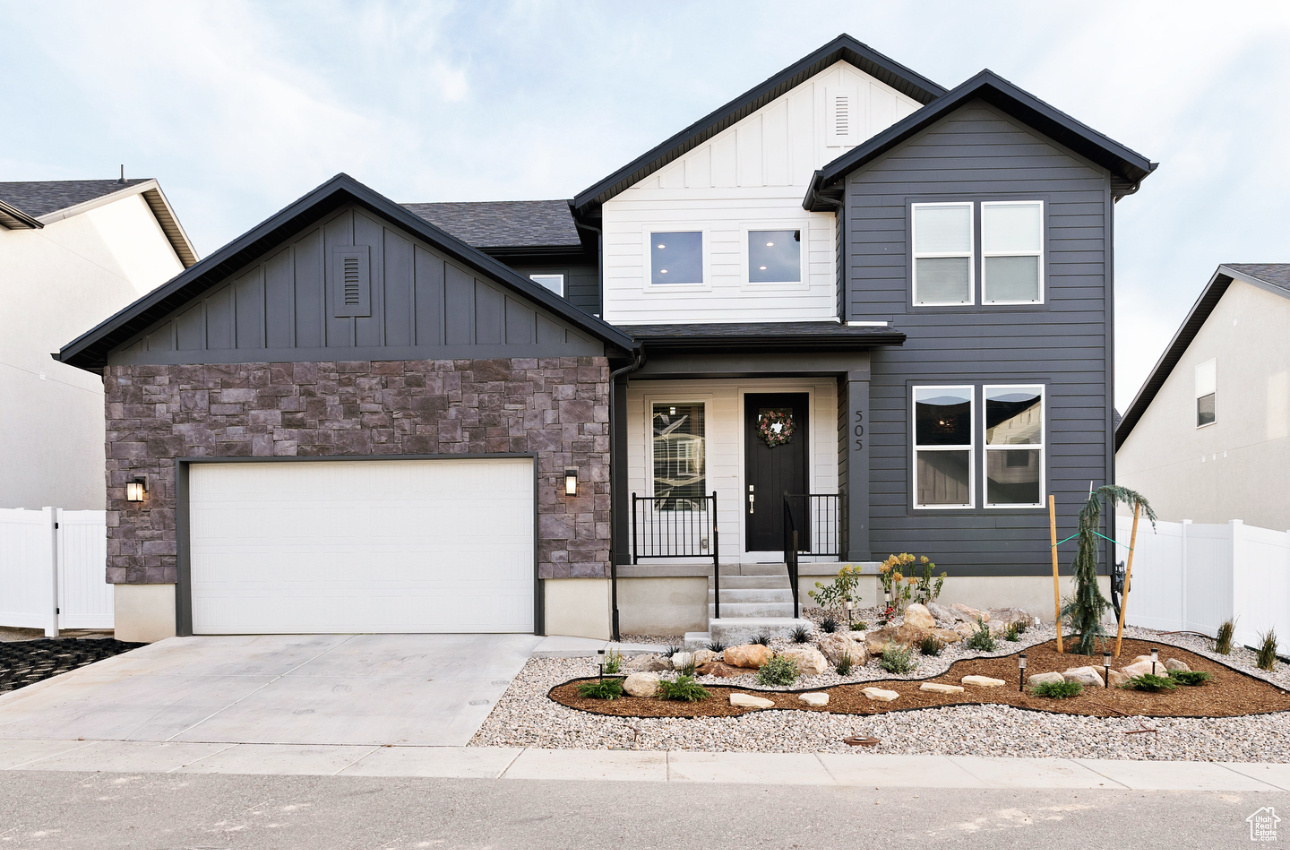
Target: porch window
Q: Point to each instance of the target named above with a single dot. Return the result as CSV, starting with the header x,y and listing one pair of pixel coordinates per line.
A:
x,y
676,257
943,257
1014,446
1206,389
1012,251
679,451
774,256
943,447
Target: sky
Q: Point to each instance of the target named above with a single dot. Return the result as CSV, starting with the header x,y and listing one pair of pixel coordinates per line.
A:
x,y
238,108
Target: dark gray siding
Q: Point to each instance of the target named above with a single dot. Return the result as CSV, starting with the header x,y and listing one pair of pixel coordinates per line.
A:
x,y
581,277
978,153
419,305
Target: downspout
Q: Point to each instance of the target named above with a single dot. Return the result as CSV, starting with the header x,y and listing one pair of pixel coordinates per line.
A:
x,y
638,361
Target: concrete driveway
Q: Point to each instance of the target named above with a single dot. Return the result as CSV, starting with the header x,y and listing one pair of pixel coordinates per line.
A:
x,y
403,690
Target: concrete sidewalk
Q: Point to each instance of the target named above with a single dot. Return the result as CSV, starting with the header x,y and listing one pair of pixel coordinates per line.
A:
x,y
826,769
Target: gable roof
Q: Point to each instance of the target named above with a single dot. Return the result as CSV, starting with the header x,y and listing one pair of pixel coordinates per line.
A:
x,y
843,48
89,351
1125,164
32,204
1272,277
506,225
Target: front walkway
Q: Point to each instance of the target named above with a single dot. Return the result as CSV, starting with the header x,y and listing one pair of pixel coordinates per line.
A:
x,y
837,770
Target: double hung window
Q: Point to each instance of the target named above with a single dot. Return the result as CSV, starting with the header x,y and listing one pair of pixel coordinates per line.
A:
x,y
946,238
1014,445
943,447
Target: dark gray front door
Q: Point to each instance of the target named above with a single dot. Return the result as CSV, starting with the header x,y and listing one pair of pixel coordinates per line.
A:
x,y
771,471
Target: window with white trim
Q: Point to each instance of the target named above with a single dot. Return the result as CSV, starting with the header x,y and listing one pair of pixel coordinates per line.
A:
x,y
943,255
1012,252
676,257
1206,390
553,282
1014,446
774,256
679,452
943,450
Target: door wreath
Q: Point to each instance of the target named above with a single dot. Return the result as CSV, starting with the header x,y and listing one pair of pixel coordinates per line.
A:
x,y
775,426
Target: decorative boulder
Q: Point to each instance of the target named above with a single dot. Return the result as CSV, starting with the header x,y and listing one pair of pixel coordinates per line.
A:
x,y
1045,678
877,641
880,695
947,635
648,664
721,671
918,616
809,660
814,700
749,701
682,659
965,630
840,644
969,615
704,656
752,655
942,614
1140,668
1117,677
1086,676
1011,615
938,688
983,681
1175,664
641,684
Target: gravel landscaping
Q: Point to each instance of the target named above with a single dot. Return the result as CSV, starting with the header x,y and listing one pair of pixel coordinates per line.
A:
x,y
25,662
526,716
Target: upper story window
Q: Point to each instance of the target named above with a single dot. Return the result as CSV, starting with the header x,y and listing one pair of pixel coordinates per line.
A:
x,y
553,282
946,238
943,256
676,257
1206,389
774,256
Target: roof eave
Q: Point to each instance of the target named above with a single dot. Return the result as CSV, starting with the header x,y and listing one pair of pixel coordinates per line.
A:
x,y
12,218
786,342
156,201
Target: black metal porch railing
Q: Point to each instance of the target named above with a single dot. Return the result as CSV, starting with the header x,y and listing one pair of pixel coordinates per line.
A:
x,y
669,527
814,524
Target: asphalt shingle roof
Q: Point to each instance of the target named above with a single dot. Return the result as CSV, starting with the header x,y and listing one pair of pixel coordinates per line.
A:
x,y
42,197
1276,274
504,224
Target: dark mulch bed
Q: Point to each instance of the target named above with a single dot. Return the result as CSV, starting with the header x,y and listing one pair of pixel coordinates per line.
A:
x,y
1229,694
26,662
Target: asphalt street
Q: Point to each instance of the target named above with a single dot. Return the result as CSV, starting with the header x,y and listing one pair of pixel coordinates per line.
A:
x,y
104,811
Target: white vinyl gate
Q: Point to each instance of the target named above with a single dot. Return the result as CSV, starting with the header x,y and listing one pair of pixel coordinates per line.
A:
x,y
53,570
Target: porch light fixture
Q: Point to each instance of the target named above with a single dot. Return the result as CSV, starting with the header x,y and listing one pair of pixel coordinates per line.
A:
x,y
1021,672
571,481
1106,668
135,490
1155,656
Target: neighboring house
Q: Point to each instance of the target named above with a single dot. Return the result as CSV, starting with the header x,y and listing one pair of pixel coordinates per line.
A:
x,y
1208,436
849,304
72,253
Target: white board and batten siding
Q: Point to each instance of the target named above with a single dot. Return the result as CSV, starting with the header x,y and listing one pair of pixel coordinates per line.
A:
x,y
752,175
362,546
724,455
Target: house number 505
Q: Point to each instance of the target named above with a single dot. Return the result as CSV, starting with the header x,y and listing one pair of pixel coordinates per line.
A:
x,y
859,429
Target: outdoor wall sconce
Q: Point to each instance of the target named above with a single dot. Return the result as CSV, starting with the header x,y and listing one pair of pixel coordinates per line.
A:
x,y
136,489
571,482
1106,669
1021,674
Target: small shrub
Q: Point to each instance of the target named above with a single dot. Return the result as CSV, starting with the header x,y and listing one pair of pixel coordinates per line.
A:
x,y
613,661
690,668
682,689
780,670
801,634
931,645
716,646
835,595
860,626
1266,656
829,625
1020,626
897,659
1150,683
1223,642
601,689
763,640
1012,633
981,639
843,667
1190,677
672,649
1057,690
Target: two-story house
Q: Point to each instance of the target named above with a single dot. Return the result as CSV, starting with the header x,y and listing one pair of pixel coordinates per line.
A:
x,y
847,314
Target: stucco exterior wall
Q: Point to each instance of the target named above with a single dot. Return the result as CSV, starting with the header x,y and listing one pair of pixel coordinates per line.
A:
x,y
557,408
1237,467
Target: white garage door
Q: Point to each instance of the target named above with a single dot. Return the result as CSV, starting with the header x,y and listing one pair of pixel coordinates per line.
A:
x,y
362,546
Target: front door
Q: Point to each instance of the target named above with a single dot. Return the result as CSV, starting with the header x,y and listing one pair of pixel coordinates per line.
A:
x,y
776,435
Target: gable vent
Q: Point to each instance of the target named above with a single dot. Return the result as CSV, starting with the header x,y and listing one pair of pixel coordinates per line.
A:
x,y
841,116
351,281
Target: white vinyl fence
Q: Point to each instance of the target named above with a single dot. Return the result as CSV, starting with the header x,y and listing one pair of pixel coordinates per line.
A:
x,y
53,570
1193,577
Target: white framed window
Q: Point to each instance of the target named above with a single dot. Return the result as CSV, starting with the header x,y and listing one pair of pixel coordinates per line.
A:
x,y
944,472
775,255
676,257
1012,252
553,282
1206,391
678,453
1014,444
944,267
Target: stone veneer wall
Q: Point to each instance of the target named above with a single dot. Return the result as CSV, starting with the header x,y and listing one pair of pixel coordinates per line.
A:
x,y
555,407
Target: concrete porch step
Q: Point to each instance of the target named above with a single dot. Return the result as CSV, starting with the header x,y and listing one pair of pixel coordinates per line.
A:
x,y
735,631
768,582
759,594
772,569
744,610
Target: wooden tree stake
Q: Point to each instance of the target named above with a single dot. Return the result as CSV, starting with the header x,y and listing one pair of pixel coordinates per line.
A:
x,y
1057,593
1128,575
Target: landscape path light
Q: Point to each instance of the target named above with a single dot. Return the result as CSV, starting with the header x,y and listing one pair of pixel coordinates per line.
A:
x,y
1021,672
1106,668
1155,656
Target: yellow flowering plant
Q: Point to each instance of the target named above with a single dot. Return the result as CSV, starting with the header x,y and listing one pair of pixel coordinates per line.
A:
x,y
918,586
